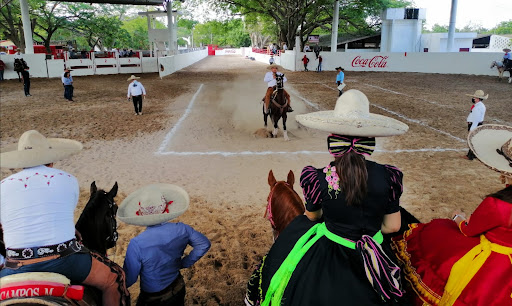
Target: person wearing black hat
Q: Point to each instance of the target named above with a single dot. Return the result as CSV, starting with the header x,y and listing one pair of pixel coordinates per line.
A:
x,y
340,77
67,81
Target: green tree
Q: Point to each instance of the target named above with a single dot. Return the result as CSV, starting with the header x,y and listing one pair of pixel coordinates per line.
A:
x,y
504,27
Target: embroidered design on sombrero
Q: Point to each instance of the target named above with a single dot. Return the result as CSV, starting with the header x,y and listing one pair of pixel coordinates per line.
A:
x,y
155,209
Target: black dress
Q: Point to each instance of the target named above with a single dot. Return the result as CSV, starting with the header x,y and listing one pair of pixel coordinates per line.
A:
x,y
329,273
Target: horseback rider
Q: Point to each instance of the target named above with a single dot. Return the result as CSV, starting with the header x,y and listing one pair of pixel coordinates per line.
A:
x,y
37,206
506,57
270,78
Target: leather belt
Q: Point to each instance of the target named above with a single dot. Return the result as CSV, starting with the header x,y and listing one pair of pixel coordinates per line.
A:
x,y
20,257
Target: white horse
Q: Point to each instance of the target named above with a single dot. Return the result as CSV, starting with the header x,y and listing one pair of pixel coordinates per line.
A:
x,y
501,69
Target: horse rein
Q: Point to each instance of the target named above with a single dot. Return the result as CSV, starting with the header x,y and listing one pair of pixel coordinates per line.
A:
x,y
112,238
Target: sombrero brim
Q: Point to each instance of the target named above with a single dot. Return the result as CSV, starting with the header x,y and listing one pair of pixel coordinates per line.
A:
x,y
61,148
506,50
479,97
129,206
485,139
372,125
274,65
131,79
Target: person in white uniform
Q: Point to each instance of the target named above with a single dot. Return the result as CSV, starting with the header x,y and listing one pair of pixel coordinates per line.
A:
x,y
136,91
476,116
36,213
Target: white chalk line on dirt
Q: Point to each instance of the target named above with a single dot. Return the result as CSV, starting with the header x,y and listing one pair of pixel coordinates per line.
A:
x,y
410,119
252,153
171,133
295,93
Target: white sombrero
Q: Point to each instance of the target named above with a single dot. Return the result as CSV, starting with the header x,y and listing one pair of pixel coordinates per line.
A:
x,y
33,149
351,117
479,94
492,145
153,204
133,78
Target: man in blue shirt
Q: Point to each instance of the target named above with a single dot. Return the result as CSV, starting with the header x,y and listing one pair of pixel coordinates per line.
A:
x,y
156,254
506,56
67,81
340,77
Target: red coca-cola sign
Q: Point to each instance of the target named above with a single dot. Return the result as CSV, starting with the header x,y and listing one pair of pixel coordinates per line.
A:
x,y
375,62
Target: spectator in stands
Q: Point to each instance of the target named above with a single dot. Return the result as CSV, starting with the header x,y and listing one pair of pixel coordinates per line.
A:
x,y
67,81
136,91
317,50
2,68
274,48
26,81
305,61
285,47
131,53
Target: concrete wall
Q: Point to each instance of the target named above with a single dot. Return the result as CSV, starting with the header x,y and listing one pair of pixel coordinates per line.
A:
x,y
36,63
437,62
173,63
228,51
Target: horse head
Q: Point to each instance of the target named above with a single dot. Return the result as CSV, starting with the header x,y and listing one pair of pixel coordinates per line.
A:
x,y
496,64
280,81
283,203
97,223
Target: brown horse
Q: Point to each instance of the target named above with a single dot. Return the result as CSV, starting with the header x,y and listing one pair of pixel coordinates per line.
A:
x,y
283,203
278,107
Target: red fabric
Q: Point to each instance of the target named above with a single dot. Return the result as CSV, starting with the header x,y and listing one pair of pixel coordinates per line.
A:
x,y
430,250
472,106
305,60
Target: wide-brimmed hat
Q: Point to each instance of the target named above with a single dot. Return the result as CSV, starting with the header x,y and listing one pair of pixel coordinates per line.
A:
x,y
479,94
33,149
492,145
351,117
506,50
133,78
339,68
274,65
153,204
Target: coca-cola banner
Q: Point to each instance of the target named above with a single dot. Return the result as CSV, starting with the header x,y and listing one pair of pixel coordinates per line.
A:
x,y
369,61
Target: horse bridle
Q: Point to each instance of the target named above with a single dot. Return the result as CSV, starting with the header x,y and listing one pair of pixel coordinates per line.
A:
x,y
112,238
268,212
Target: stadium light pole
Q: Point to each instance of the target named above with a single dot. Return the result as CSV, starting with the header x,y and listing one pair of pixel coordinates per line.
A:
x,y
451,29
27,27
334,34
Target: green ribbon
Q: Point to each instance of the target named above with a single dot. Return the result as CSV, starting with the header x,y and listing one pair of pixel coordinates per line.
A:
x,y
280,280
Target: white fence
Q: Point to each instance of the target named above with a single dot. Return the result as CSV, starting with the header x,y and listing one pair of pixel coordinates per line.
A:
x,y
42,68
476,63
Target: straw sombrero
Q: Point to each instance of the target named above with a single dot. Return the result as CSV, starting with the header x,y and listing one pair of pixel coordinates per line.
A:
x,y
133,78
33,149
479,94
274,65
492,145
506,50
153,204
351,117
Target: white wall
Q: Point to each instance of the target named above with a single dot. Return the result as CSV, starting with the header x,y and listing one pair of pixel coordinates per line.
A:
x,y
55,68
177,62
438,42
35,62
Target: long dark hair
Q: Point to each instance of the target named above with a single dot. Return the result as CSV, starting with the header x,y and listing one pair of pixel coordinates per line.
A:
x,y
351,168
504,194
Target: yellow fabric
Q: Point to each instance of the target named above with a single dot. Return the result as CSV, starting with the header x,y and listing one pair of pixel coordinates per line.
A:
x,y
465,268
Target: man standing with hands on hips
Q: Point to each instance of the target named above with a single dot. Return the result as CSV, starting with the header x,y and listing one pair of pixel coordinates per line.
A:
x,y
476,116
137,92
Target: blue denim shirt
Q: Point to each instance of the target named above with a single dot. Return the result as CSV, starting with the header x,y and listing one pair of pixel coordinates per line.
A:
x,y
157,254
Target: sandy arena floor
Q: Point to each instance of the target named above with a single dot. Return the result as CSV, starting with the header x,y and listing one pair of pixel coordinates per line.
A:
x,y
200,130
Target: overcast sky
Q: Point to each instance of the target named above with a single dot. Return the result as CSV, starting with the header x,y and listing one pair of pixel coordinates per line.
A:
x,y
487,13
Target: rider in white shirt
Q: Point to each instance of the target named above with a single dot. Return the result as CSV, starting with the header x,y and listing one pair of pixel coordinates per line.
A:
x,y
476,116
270,78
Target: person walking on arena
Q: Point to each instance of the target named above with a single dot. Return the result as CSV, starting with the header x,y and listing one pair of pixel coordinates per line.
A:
x,y
137,92
2,69
466,261
37,206
319,68
270,79
340,77
25,75
156,254
271,60
476,115
67,81
305,61
350,203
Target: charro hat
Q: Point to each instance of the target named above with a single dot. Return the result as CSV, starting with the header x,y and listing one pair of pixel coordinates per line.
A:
x,y
153,204
351,117
274,65
33,149
479,94
133,78
492,145
339,68
506,50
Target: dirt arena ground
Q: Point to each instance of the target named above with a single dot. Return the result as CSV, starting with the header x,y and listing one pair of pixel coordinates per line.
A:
x,y
201,130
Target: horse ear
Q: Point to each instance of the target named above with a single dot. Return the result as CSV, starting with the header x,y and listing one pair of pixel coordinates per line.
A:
x,y
93,187
271,179
291,178
113,191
